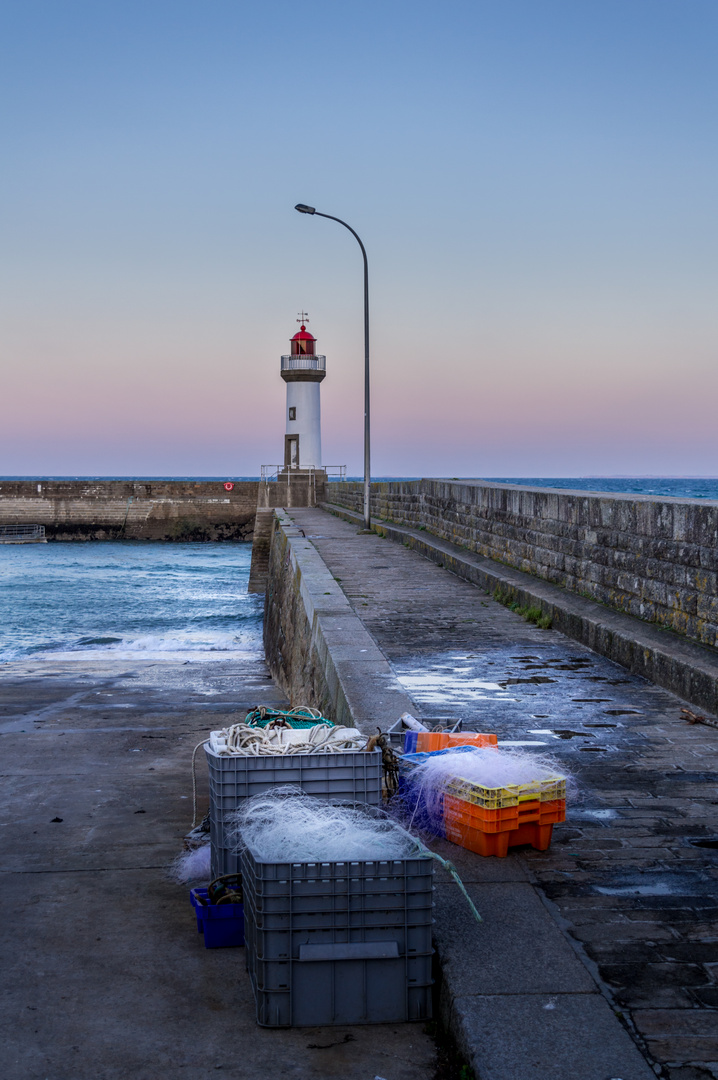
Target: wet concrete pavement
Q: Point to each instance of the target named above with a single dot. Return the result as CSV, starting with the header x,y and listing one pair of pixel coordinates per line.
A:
x,y
631,877
104,974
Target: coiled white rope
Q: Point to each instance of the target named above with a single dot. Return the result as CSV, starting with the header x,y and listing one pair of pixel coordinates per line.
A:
x,y
251,741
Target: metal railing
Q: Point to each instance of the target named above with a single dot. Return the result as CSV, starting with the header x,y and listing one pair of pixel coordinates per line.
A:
x,y
304,362
21,533
273,472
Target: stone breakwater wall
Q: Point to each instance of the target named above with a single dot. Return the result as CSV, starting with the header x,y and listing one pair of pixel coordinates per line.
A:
x,y
181,510
653,558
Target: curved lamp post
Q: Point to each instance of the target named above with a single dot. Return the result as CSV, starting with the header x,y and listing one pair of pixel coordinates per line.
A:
x,y
303,209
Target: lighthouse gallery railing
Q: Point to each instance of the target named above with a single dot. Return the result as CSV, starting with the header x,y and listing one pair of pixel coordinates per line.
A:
x,y
273,472
304,362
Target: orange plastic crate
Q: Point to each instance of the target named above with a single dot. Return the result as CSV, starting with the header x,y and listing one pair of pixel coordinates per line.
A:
x,y
498,843
426,741
461,812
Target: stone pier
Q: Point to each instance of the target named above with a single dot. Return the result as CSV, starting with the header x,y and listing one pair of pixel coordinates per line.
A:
x,y
179,510
595,959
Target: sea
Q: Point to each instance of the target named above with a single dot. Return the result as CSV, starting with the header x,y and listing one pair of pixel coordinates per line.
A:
x,y
73,601
677,487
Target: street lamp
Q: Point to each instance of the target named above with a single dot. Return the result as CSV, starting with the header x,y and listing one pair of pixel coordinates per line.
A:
x,y
303,209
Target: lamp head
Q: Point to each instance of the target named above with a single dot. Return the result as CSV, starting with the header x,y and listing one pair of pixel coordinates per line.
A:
x,y
304,209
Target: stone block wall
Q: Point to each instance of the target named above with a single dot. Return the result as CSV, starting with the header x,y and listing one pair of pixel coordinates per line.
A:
x,y
131,510
655,558
317,647
294,643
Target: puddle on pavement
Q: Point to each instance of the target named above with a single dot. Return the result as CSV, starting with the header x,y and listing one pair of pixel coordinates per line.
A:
x,y
657,883
593,815
657,889
447,679
107,705
520,742
529,679
506,699
564,733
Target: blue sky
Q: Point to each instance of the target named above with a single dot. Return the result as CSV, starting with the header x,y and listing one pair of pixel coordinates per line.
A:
x,y
534,181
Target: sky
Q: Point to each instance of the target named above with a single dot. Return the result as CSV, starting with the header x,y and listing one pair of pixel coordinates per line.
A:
x,y
534,180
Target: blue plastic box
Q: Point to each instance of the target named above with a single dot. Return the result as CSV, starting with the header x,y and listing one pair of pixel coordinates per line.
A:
x,y
414,808
221,924
411,797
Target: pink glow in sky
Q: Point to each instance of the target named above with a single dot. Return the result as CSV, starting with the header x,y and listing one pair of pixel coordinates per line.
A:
x,y
535,185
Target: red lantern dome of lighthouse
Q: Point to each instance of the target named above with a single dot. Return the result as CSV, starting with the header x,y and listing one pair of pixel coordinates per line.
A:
x,y
303,341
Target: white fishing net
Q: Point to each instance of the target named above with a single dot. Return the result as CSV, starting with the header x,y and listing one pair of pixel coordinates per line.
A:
x,y
491,767
285,825
491,776
191,866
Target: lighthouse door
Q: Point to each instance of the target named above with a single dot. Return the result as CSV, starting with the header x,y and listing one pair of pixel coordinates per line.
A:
x,y
291,451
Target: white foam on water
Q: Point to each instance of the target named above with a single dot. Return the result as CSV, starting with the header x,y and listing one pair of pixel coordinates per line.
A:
x,y
178,644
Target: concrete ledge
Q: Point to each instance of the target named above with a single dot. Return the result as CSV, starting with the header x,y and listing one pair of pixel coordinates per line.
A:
x,y
686,669
318,650
551,1037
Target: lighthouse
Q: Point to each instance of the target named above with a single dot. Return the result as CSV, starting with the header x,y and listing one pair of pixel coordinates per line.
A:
x,y
303,370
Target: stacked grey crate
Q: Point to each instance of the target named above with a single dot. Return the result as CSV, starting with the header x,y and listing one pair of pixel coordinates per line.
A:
x,y
354,776
339,942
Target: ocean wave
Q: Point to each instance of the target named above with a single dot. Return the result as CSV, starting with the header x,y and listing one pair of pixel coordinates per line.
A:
x,y
145,646
99,641
178,641
79,602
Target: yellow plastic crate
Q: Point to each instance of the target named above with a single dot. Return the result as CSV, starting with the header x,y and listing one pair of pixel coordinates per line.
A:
x,y
495,798
549,790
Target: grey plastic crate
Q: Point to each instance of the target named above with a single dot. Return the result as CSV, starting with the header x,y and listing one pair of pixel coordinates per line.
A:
x,y
408,876
354,777
412,931
277,913
412,938
275,976
282,924
339,942
353,983
359,895
400,878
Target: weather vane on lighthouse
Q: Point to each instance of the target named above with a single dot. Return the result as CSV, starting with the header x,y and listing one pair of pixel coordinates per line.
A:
x,y
303,371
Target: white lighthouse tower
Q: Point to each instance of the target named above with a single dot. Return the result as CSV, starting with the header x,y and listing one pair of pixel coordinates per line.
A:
x,y
303,371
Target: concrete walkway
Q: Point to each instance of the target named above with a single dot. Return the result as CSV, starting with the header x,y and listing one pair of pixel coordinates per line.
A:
x,y
104,974
596,959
